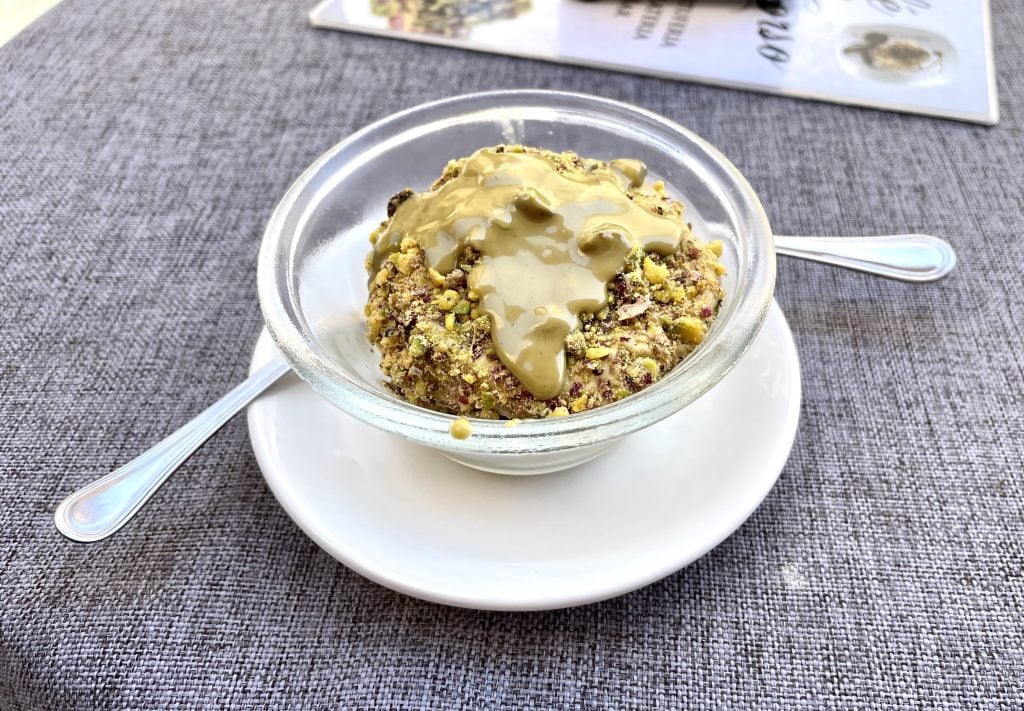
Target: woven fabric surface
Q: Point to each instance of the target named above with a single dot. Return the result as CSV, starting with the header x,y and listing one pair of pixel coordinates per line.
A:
x,y
142,148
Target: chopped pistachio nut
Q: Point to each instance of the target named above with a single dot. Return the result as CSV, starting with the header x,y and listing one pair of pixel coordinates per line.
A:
x,y
560,411
417,346
408,244
651,366
715,246
447,300
598,352
449,321
462,308
690,329
406,262
655,273
634,259
460,428
435,277
579,403
575,343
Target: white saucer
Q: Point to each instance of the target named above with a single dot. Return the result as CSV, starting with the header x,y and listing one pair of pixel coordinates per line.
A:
x,y
414,521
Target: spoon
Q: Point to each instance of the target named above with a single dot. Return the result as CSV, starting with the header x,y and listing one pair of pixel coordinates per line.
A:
x,y
917,258
101,508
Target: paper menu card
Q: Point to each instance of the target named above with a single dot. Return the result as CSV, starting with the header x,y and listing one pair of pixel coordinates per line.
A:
x,y
929,57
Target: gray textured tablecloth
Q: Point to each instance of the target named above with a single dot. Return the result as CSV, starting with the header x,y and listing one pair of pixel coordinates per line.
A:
x,y
143,146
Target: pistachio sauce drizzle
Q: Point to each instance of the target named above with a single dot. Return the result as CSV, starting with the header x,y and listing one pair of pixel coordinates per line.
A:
x,y
549,241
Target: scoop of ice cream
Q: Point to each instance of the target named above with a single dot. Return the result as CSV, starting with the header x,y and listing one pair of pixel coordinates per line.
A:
x,y
433,315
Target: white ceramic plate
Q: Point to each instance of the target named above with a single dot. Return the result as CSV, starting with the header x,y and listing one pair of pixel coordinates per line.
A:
x,y
414,521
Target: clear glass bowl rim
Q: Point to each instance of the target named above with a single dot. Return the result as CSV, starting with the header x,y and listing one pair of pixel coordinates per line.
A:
x,y
689,380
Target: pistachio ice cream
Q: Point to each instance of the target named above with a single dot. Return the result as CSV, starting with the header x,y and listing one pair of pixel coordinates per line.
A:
x,y
527,284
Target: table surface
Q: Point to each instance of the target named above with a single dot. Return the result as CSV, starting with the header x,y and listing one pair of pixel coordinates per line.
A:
x,y
142,148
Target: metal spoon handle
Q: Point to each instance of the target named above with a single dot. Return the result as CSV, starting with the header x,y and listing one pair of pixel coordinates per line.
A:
x,y
102,507
906,257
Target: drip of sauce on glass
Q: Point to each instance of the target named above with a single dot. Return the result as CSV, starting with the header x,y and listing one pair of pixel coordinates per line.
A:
x,y
549,242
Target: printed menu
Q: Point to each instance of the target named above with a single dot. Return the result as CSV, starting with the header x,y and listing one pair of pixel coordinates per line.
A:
x,y
929,57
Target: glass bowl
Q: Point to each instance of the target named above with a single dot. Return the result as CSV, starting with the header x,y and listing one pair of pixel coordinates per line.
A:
x,y
313,285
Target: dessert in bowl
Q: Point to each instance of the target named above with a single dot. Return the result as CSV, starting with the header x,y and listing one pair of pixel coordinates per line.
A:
x,y
313,286
528,284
